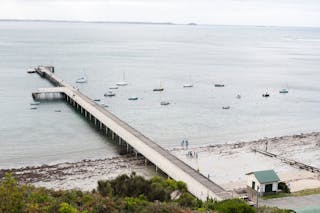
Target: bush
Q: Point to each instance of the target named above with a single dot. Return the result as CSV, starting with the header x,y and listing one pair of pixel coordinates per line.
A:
x,y
283,187
233,206
104,188
66,208
11,195
187,200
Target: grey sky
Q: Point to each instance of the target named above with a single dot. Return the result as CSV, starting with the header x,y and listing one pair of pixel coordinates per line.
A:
x,y
247,12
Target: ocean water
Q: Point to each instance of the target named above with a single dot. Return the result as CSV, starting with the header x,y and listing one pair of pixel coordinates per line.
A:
x,y
248,60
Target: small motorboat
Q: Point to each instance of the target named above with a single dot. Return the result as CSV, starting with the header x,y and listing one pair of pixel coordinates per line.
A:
x,y
109,94
158,89
238,96
265,95
105,105
96,100
283,91
82,80
226,107
31,70
164,103
133,98
187,85
57,110
35,103
115,87
219,85
33,108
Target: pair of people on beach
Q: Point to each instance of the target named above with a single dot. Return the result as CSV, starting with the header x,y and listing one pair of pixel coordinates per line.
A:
x,y
185,142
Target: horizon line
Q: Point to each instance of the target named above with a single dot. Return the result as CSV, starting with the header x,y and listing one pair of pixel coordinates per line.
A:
x,y
146,22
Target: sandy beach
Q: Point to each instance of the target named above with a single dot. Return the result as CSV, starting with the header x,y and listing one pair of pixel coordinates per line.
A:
x,y
225,164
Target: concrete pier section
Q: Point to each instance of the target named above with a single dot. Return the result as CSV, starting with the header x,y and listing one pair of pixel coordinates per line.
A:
x,y
199,185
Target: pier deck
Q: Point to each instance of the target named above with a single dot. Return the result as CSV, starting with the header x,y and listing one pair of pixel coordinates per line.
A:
x,y
198,185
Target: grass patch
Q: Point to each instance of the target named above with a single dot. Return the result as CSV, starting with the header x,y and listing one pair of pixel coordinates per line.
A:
x,y
307,192
278,195
295,194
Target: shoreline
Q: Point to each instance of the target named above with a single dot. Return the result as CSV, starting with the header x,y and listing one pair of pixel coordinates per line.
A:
x,y
226,164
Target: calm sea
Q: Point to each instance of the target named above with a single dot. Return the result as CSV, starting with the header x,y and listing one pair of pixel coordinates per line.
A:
x,y
248,60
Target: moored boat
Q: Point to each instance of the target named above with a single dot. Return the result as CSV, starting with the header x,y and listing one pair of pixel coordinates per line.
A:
x,y
35,103
164,103
158,89
114,87
133,98
187,85
82,79
109,94
31,70
283,91
123,82
105,105
219,85
265,95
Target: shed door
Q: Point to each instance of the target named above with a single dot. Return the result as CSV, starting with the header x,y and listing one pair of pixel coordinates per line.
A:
x,y
253,186
268,188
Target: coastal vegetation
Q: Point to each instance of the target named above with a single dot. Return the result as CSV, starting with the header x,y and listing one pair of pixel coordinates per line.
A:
x,y
123,194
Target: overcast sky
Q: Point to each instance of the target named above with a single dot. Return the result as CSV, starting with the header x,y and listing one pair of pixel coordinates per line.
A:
x,y
234,12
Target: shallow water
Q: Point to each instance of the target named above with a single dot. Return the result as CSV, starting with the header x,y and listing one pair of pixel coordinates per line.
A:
x,y
248,60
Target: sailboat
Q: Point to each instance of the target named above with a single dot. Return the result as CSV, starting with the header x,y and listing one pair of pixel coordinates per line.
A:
x,y
265,95
82,79
159,89
123,82
188,85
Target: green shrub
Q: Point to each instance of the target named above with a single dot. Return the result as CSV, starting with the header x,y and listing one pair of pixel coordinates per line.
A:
x,y
187,200
66,208
104,188
11,195
283,187
233,206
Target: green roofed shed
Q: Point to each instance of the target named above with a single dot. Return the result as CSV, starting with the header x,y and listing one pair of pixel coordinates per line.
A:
x,y
266,176
263,182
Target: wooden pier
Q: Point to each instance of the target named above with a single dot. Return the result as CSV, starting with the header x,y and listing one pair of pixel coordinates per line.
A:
x,y
199,185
